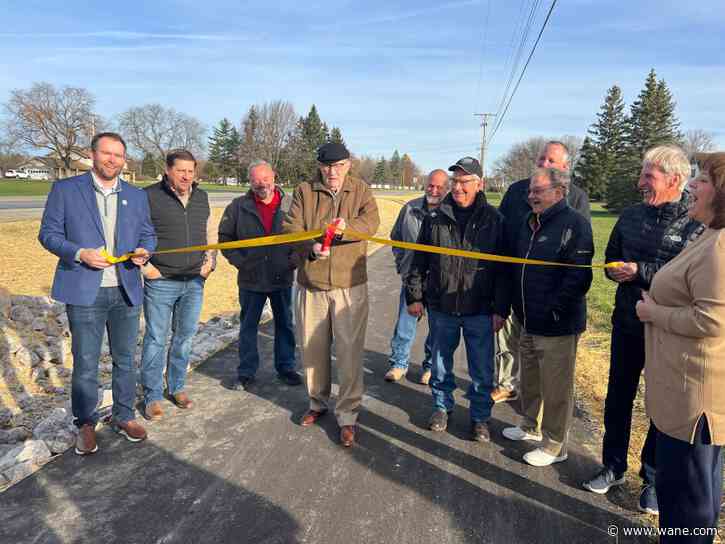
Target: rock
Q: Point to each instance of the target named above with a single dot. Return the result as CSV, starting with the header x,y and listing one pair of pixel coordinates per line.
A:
x,y
57,431
36,374
24,401
105,398
24,356
13,436
19,471
6,417
21,314
39,324
31,450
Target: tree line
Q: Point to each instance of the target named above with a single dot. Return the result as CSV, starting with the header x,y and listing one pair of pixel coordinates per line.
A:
x,y
62,121
607,162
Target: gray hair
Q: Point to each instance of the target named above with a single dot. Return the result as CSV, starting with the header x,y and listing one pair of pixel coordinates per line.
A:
x,y
254,164
560,144
671,160
556,177
448,178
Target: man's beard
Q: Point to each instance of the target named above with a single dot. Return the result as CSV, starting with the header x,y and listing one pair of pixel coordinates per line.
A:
x,y
432,200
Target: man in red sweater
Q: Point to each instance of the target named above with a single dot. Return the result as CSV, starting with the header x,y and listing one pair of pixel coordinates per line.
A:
x,y
263,273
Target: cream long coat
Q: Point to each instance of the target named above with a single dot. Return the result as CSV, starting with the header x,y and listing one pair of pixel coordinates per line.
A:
x,y
685,342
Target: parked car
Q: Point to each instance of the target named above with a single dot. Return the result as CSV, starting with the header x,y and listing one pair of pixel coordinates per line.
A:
x,y
11,173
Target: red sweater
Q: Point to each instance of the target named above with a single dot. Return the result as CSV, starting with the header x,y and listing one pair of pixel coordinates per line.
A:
x,y
267,211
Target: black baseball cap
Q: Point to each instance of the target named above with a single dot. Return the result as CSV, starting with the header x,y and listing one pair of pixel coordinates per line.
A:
x,y
332,152
469,165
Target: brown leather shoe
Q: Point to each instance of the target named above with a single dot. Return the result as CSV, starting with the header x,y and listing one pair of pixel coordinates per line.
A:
x,y
153,411
132,430
311,417
501,394
86,441
182,400
347,435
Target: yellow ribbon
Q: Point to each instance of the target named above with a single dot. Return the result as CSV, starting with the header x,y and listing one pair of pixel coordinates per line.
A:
x,y
310,235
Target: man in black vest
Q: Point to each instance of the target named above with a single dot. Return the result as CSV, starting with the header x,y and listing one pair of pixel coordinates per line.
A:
x,y
174,283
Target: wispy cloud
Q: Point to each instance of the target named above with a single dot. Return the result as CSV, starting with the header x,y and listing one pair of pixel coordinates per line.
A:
x,y
127,35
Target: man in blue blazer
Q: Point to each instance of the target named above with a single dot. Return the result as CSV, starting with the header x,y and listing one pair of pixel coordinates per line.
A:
x,y
83,215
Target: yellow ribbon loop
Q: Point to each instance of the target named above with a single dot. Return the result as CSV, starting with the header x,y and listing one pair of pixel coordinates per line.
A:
x,y
236,244
312,234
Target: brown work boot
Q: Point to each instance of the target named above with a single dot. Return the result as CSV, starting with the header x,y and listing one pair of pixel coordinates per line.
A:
x,y
395,374
86,441
153,411
501,394
182,400
132,430
347,435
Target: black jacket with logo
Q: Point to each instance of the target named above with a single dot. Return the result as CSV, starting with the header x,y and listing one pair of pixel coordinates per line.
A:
x,y
458,285
260,269
649,236
178,226
551,300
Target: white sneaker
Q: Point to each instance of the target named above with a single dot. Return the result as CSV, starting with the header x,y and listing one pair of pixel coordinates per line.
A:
x,y
539,458
517,434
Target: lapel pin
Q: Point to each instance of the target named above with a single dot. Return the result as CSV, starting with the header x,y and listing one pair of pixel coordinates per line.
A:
x,y
124,202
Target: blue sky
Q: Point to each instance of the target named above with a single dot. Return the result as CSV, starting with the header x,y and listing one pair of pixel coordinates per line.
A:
x,y
390,74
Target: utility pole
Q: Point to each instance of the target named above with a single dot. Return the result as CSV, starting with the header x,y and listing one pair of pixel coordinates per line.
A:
x,y
484,123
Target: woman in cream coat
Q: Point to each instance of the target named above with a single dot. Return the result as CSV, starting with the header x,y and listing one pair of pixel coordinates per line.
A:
x,y
684,314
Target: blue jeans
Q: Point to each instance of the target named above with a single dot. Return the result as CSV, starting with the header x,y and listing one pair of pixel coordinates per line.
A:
x,y
176,305
111,312
478,337
404,336
252,304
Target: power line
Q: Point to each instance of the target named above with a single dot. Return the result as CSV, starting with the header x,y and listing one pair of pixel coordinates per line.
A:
x,y
533,49
477,96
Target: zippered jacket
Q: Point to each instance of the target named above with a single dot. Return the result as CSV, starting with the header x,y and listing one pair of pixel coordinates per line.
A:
x,y
457,285
261,269
551,300
649,236
178,226
407,229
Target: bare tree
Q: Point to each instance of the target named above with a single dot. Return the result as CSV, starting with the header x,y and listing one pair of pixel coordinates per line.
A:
x,y
698,141
44,117
155,130
276,122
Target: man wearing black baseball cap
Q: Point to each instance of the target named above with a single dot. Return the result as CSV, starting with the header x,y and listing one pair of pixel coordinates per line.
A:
x,y
462,295
332,299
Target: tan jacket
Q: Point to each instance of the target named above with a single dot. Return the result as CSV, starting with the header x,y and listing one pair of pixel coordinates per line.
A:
x,y
685,342
314,207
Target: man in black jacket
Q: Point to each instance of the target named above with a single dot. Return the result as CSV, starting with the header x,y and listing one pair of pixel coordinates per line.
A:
x,y
645,237
549,302
264,273
462,294
173,283
515,208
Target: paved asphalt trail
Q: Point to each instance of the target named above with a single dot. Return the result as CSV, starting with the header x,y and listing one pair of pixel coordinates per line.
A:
x,y
238,469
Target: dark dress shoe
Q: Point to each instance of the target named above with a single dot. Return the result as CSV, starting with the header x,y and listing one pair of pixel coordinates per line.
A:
x,y
311,417
347,435
239,384
290,378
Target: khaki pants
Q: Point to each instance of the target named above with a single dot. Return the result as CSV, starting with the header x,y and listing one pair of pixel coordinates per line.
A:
x,y
342,315
507,372
547,387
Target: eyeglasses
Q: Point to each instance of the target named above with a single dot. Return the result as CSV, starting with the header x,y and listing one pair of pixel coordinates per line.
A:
x,y
459,181
337,166
540,190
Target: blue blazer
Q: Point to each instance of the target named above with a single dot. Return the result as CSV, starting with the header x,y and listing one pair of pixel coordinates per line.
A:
x,y
71,221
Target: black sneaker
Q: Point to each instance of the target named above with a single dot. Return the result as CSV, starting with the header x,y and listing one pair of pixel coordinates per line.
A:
x,y
604,481
239,384
438,421
290,377
648,500
480,431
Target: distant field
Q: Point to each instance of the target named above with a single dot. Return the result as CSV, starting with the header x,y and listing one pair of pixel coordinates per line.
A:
x,y
12,187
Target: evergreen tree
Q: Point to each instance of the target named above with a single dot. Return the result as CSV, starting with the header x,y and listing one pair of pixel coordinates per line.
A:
x,y
336,136
395,168
602,151
382,171
313,134
651,122
248,145
221,154
233,154
149,166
